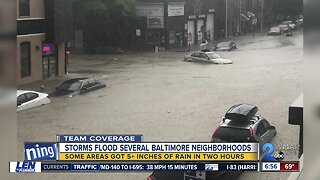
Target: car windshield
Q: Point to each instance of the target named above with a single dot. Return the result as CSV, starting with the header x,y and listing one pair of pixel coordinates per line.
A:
x,y
213,55
223,44
71,86
232,134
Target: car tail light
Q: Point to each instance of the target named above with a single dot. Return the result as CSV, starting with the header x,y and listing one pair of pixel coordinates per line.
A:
x,y
216,129
251,133
149,178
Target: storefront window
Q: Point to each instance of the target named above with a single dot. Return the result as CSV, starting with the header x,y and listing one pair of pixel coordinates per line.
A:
x,y
25,59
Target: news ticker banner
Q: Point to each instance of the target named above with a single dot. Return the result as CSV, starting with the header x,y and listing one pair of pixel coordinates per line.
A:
x,y
49,167
131,148
149,151
141,151
48,150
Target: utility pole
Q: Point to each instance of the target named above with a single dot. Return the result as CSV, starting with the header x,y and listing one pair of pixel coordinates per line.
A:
x,y
226,29
197,11
261,20
165,23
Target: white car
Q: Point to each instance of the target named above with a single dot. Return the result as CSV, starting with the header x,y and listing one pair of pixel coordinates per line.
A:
x,y
287,25
30,99
210,57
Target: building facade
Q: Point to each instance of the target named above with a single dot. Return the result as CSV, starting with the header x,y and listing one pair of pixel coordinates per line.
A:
x,y
44,28
175,23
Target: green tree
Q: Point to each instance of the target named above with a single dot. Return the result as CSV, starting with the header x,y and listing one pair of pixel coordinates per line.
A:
x,y
105,22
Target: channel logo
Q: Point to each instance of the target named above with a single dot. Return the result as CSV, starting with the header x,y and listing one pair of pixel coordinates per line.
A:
x,y
40,151
270,154
25,167
211,167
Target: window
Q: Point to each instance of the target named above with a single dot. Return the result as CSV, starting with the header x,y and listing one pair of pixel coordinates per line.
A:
x,y
21,99
31,96
213,56
260,130
203,56
266,125
25,56
196,55
92,82
85,85
24,7
25,59
71,86
231,134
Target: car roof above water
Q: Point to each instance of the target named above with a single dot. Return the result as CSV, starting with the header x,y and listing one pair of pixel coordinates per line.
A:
x,y
240,125
19,92
75,80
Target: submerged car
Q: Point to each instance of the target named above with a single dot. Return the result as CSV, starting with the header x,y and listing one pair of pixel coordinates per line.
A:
x,y
275,31
225,46
77,86
241,124
30,99
210,57
287,26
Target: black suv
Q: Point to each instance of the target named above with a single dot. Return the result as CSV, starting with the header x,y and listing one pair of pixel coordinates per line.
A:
x,y
241,124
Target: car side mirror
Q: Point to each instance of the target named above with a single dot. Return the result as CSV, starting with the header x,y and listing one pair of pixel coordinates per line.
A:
x,y
19,103
84,88
272,127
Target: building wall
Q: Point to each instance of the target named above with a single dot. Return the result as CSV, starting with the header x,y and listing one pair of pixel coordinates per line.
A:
x,y
36,57
61,59
36,9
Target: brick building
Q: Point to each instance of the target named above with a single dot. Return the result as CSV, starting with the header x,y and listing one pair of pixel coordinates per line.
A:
x,y
44,28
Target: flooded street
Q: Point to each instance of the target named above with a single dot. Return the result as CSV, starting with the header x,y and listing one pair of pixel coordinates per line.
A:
x,y
167,99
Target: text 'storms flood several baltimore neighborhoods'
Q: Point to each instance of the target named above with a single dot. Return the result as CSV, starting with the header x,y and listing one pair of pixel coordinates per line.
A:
x,y
158,151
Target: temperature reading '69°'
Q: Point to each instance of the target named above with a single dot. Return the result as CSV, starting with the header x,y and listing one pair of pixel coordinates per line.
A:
x,y
288,166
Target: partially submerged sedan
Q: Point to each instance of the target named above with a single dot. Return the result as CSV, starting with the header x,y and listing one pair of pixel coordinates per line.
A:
x,y
31,99
77,86
210,57
225,46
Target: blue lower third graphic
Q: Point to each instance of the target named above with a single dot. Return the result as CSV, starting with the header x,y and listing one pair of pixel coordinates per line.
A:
x,y
40,151
25,167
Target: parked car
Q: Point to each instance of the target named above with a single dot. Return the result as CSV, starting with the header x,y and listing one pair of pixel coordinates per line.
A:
x,y
241,124
287,26
30,99
210,57
225,46
299,23
275,31
77,86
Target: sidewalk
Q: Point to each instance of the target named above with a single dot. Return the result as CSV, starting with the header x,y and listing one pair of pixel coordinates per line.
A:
x,y
49,84
239,40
